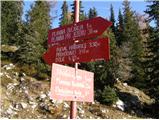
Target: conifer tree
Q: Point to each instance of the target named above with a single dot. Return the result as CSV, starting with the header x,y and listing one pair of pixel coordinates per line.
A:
x,y
11,20
153,11
119,29
112,19
92,13
152,56
132,36
64,16
106,71
34,45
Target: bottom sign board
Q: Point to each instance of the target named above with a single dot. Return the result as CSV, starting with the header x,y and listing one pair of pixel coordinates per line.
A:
x,y
88,51
71,85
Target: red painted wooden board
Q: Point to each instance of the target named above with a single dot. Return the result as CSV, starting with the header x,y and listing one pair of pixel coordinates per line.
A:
x,y
78,31
64,85
90,50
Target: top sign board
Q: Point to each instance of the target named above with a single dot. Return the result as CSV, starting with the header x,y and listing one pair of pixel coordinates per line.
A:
x,y
78,31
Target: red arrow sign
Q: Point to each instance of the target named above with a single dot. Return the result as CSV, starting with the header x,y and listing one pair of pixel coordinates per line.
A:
x,y
79,31
91,50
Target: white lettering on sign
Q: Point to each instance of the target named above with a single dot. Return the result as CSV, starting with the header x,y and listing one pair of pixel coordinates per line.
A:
x,y
63,91
60,32
72,32
77,84
62,82
59,38
75,46
78,93
72,52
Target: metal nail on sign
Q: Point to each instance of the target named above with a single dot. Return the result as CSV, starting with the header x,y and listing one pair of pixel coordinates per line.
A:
x,y
66,84
78,31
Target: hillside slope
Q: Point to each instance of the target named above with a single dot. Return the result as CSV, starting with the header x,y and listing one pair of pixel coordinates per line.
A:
x,y
23,97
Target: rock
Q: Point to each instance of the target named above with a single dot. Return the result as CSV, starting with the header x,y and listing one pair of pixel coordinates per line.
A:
x,y
17,107
15,84
100,66
81,111
82,115
24,105
114,105
79,108
11,65
90,117
53,101
64,116
120,104
103,111
32,103
4,118
22,79
34,106
24,74
93,102
8,76
42,96
96,102
9,111
124,84
136,92
47,79
8,48
26,92
44,106
10,86
66,105
1,74
20,90
8,67
78,117
16,74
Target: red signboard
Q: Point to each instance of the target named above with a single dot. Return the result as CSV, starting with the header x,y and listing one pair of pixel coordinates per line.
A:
x,y
65,86
90,50
78,31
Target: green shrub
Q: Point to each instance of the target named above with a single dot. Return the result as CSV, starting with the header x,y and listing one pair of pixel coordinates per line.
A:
x,y
28,69
41,76
109,95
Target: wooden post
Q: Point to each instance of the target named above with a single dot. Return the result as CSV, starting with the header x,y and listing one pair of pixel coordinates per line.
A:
x,y
73,110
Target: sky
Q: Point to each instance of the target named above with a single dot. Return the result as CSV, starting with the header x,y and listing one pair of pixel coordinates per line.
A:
x,y
102,7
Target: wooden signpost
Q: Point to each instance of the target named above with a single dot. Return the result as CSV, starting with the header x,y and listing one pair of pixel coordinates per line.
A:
x,y
78,31
90,50
68,87
70,44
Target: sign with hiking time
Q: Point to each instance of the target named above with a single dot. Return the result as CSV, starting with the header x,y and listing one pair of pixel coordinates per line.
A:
x,y
78,31
87,51
68,84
